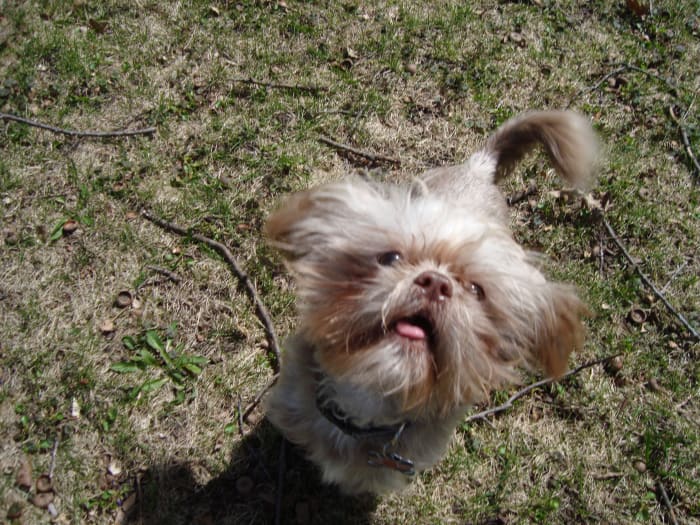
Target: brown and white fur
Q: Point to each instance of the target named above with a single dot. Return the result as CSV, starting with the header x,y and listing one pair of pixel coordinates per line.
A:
x,y
415,302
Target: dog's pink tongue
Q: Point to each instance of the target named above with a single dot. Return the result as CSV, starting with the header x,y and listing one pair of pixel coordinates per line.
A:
x,y
411,331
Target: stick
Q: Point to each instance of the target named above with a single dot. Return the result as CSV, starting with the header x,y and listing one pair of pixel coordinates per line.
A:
x,y
520,393
596,85
521,195
686,141
74,133
650,284
260,310
167,273
280,482
667,502
291,87
258,397
622,68
54,451
369,156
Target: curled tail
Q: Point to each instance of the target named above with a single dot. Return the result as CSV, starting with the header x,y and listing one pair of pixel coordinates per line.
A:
x,y
567,138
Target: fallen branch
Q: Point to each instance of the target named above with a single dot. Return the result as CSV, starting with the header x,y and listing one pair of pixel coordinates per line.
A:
x,y
74,133
165,272
686,141
373,157
520,393
260,310
667,502
648,282
290,87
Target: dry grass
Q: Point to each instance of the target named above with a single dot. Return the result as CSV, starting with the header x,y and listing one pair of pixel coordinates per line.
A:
x,y
226,150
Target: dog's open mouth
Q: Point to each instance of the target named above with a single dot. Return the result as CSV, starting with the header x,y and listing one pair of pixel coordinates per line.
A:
x,y
418,327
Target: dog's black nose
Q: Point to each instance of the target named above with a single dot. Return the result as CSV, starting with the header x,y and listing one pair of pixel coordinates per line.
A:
x,y
435,285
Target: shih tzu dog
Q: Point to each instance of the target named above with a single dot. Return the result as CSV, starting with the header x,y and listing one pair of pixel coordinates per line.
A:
x,y
414,303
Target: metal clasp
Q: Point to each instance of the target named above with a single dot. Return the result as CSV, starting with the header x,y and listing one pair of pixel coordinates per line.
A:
x,y
387,458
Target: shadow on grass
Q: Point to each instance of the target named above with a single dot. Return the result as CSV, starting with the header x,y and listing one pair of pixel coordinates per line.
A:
x,y
246,491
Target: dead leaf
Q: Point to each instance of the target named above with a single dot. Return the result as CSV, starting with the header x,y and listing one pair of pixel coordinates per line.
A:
x,y
638,8
106,327
69,226
351,53
214,10
24,475
97,26
592,203
113,468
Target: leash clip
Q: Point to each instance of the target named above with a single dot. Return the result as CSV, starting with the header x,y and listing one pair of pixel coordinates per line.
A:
x,y
392,460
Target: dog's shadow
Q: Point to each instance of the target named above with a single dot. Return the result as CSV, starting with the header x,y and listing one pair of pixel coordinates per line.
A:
x,y
247,491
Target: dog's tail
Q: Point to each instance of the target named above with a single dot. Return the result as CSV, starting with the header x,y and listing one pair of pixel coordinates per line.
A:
x,y
567,138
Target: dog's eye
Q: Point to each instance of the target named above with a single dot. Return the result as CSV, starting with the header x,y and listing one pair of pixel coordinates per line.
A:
x,y
477,290
388,258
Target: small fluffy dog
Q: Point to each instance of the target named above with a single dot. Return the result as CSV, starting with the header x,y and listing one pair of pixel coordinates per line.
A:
x,y
415,302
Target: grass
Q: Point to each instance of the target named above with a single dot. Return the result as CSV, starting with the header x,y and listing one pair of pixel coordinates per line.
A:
x,y
155,430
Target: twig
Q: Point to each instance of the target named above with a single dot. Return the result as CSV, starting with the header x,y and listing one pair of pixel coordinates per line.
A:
x,y
280,482
291,87
626,67
518,196
673,276
258,397
520,393
648,282
260,310
54,451
667,502
596,85
686,141
74,133
167,273
373,157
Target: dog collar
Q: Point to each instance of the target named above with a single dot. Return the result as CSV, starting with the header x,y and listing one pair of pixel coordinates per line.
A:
x,y
333,413
376,458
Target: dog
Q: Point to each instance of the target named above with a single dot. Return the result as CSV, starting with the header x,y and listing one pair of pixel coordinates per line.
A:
x,y
414,303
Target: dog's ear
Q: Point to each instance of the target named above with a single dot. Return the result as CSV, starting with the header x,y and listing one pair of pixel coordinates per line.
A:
x,y
283,226
558,329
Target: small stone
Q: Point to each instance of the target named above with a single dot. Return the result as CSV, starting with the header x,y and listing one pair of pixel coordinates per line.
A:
x,y
411,68
640,467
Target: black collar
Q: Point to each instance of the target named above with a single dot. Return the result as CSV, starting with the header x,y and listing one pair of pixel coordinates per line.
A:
x,y
333,413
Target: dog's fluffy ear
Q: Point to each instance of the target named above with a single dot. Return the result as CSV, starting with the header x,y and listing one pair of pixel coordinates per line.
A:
x,y
558,329
282,229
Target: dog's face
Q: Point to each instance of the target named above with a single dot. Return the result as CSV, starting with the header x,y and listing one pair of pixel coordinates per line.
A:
x,y
405,294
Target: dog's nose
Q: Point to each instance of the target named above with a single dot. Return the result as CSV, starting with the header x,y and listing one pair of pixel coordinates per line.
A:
x,y
435,285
